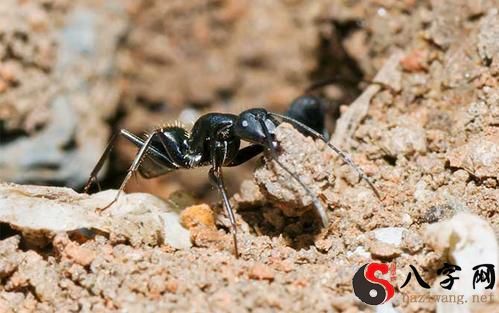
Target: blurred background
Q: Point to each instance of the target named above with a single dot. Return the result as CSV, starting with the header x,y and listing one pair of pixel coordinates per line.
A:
x,y
73,72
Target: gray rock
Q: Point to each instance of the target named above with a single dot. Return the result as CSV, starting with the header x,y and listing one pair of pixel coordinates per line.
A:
x,y
39,213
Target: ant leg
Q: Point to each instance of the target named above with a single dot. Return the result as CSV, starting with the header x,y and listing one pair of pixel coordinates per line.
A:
x,y
246,154
100,163
134,167
105,154
216,178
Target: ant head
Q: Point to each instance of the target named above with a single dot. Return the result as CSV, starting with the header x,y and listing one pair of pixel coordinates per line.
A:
x,y
255,125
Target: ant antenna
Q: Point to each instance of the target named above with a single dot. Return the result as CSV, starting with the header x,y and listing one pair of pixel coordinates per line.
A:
x,y
318,206
343,155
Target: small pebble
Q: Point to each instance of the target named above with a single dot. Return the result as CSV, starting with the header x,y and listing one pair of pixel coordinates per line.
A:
x,y
261,272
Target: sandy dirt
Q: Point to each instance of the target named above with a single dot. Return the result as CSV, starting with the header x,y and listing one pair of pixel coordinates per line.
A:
x,y
422,123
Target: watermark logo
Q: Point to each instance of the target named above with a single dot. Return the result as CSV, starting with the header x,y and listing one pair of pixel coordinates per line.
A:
x,y
371,289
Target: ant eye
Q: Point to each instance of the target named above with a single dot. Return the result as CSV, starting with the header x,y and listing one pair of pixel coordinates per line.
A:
x,y
244,123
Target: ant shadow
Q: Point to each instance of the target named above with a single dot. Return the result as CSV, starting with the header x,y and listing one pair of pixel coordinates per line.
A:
x,y
299,232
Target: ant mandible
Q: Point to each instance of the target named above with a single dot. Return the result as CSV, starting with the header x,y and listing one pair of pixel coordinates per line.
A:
x,y
215,141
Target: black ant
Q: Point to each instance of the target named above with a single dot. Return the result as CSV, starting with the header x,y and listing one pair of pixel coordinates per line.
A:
x,y
215,141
